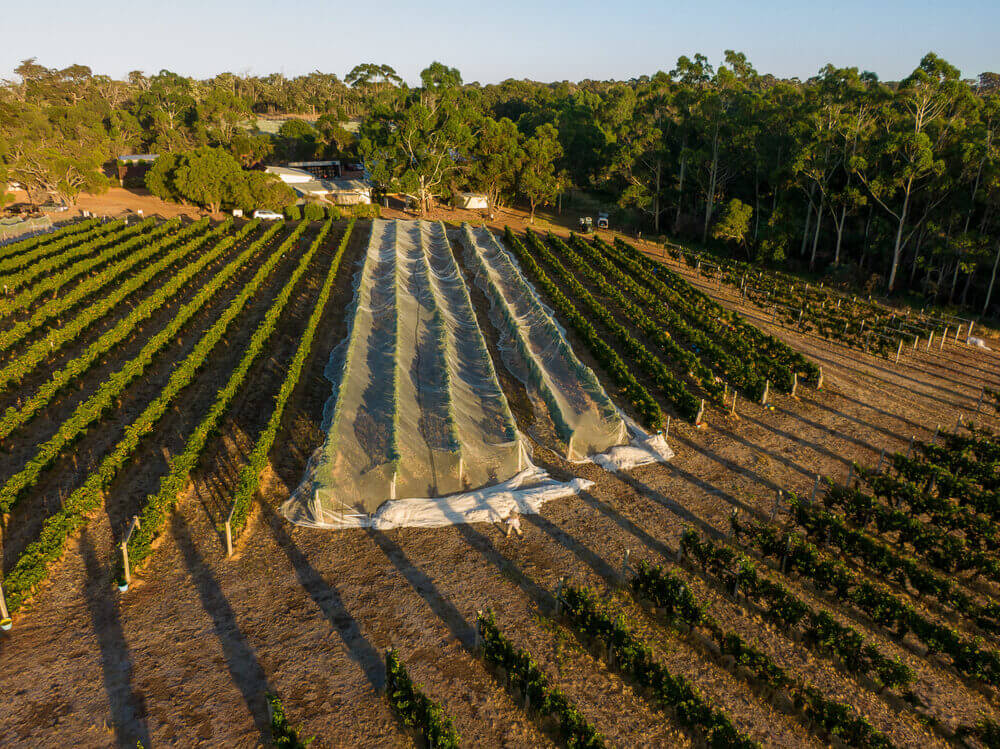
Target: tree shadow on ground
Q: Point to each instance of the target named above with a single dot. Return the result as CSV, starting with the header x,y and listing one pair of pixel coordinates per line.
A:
x,y
329,601
241,658
128,706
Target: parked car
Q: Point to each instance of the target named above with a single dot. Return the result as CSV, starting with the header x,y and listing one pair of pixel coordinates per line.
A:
x,y
602,221
267,215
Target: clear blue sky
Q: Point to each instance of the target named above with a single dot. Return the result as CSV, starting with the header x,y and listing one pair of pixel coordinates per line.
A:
x,y
490,41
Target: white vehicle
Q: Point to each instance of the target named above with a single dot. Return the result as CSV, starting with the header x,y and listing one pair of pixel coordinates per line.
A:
x,y
602,221
267,215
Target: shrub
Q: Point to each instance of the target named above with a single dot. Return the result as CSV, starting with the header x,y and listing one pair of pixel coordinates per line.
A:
x,y
312,212
292,213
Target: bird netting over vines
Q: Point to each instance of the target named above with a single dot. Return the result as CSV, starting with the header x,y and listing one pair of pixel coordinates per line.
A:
x,y
419,411
536,351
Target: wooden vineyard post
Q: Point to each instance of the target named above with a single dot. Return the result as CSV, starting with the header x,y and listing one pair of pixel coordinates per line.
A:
x,y
229,531
795,382
819,381
5,622
881,457
958,332
701,413
126,567
862,328
767,387
733,409
899,350
850,475
930,340
944,337
909,448
559,590
979,403
812,500
625,567
477,644
971,323
777,505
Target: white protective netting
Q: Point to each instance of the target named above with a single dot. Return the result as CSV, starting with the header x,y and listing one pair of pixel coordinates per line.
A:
x,y
535,350
419,412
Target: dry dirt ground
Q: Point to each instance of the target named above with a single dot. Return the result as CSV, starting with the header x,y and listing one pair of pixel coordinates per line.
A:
x,y
187,655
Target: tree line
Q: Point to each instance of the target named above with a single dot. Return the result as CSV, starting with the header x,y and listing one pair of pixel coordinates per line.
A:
x,y
893,183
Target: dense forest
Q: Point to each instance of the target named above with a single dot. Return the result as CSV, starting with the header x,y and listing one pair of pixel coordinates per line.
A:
x,y
892,184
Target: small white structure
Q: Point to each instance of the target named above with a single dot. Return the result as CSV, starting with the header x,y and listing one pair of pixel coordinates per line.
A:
x,y
290,176
473,201
336,191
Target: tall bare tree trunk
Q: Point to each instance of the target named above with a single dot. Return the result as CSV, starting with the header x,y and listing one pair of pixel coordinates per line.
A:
x,y
710,202
898,247
993,278
819,223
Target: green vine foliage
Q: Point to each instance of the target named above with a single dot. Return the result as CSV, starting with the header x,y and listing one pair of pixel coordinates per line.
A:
x,y
415,709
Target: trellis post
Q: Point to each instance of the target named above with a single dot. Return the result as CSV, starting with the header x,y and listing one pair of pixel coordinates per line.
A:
x,y
701,413
625,567
899,350
5,621
979,403
559,590
850,475
767,387
795,382
930,340
881,457
815,489
944,337
909,448
777,505
733,409
126,567
819,382
666,429
229,531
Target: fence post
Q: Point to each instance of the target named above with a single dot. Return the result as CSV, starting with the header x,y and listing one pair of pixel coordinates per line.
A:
x,y
881,457
666,429
930,340
733,409
916,340
909,448
819,382
625,567
944,337
971,323
559,590
899,350
777,505
795,382
767,387
815,489
701,412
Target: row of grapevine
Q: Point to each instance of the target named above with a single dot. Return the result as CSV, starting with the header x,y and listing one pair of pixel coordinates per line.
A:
x,y
283,734
248,479
739,372
830,529
855,322
780,360
621,374
667,591
415,709
590,620
91,409
107,243
768,357
668,384
818,629
157,507
522,673
24,364
52,244
22,247
653,330
148,247
896,615
934,545
34,563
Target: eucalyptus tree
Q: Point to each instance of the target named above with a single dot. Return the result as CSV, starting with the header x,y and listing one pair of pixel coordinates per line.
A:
x,y
906,156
